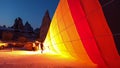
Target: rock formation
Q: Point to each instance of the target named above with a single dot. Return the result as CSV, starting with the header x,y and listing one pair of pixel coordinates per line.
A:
x,y
45,26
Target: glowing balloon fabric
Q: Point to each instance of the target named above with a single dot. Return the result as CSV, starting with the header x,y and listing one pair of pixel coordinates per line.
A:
x,y
101,32
78,29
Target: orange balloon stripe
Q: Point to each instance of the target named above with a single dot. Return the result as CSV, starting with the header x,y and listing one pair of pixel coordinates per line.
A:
x,y
64,42
79,29
85,32
70,27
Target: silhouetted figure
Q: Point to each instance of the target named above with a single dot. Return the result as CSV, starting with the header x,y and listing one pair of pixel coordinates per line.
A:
x,y
41,45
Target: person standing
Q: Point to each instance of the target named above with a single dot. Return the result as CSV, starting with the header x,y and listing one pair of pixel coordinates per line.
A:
x,y
41,45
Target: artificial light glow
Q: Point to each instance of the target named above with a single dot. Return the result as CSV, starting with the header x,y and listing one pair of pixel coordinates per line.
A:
x,y
60,38
26,52
77,30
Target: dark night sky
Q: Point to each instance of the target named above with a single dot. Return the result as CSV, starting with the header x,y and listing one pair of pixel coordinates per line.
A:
x,y
29,10
111,9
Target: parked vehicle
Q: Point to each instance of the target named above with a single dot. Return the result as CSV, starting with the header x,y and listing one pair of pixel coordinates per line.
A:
x,y
3,45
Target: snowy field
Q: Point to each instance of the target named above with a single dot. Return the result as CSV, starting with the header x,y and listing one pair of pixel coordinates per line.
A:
x,y
32,59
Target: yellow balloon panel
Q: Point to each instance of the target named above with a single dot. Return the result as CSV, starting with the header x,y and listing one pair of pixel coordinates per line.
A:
x,y
70,49
58,39
64,37
48,45
79,29
53,20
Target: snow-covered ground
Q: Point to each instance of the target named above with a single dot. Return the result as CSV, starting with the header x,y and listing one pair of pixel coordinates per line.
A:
x,y
30,59
12,58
